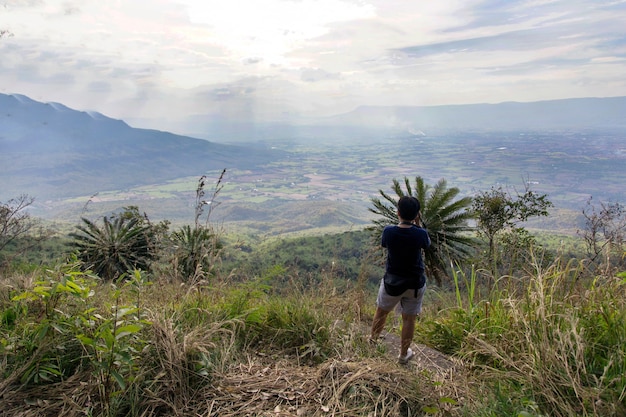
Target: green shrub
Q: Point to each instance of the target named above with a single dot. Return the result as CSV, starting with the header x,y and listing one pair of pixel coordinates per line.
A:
x,y
196,252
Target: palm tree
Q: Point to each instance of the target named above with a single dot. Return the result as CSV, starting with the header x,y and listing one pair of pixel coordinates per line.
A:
x,y
122,244
445,218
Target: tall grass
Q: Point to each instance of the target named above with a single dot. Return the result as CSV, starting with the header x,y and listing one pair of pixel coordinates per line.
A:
x,y
551,342
557,349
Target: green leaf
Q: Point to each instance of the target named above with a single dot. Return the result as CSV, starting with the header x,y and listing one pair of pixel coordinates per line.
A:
x,y
108,338
75,288
48,370
124,357
125,311
430,410
42,291
42,332
85,340
24,296
448,400
118,378
127,330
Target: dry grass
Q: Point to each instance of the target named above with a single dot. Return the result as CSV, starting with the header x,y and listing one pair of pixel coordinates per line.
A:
x,y
335,388
255,386
196,364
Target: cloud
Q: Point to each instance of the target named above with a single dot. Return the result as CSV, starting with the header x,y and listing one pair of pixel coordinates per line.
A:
x,y
510,41
11,4
166,59
32,74
269,30
252,60
312,75
99,87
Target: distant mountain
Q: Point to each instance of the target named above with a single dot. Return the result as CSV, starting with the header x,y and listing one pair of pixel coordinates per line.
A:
x,y
580,113
371,123
49,150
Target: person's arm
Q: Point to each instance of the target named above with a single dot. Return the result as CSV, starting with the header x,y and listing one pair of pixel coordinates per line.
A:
x,y
419,222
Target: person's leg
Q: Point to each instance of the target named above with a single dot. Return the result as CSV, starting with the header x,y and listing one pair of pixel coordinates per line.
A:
x,y
408,329
378,324
384,305
411,304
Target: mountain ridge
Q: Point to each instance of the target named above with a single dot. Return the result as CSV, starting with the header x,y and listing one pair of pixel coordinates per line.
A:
x,y
51,151
575,113
372,122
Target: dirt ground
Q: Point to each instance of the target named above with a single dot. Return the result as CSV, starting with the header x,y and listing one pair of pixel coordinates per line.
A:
x,y
425,357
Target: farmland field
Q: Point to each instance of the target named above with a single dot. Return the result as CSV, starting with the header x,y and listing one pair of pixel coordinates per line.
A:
x,y
323,185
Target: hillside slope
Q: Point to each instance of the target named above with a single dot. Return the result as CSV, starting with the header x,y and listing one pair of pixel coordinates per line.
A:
x,y
51,151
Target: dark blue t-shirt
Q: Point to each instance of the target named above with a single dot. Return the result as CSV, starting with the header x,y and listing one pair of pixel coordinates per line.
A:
x,y
404,250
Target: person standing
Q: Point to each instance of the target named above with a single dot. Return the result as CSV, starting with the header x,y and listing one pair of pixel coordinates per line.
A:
x,y
404,282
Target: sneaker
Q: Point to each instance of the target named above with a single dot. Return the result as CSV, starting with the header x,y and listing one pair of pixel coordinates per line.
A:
x,y
405,359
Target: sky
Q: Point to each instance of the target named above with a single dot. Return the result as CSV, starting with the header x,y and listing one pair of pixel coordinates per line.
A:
x,y
161,63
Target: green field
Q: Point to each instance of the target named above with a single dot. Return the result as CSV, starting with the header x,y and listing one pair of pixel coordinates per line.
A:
x,y
330,185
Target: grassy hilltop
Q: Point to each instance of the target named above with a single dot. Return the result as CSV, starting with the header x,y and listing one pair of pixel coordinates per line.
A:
x,y
281,329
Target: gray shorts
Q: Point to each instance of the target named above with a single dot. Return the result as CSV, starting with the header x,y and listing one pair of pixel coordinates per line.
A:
x,y
409,304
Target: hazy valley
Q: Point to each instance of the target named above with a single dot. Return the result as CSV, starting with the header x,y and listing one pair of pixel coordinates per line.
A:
x,y
318,176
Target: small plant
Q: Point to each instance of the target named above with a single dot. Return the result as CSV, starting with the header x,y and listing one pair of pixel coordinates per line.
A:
x,y
195,252
54,299
498,211
19,231
448,332
196,249
112,340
